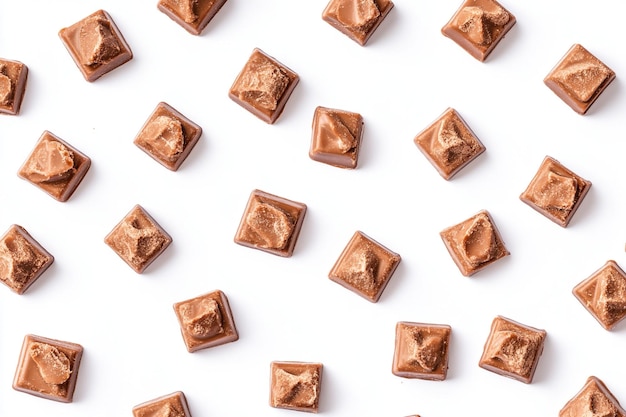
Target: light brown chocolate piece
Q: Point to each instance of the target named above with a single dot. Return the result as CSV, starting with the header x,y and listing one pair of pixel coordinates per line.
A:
x,y
138,239
192,15
449,144
171,405
13,78
593,400
55,167
365,267
96,45
296,385
478,26
421,350
579,78
336,137
48,368
555,191
357,19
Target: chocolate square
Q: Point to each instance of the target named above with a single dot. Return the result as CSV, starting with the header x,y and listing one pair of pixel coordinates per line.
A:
x,y
13,77
206,321
168,136
172,405
421,350
449,144
336,137
296,385
263,86
555,191
594,399
138,239
55,166
96,45
192,15
48,368
579,79
478,26
357,19
365,267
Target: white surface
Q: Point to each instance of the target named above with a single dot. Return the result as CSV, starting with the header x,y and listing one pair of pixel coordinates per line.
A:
x,y
287,309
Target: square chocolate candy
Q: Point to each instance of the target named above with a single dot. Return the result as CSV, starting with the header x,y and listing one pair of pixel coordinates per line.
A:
x,y
192,15
296,385
594,399
357,19
421,350
172,405
13,77
336,137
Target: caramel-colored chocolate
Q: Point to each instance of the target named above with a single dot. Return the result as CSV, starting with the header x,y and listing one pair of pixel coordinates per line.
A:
x,y
48,368
206,321
296,385
421,350
365,267
171,405
478,26
512,349
55,167
449,144
138,239
263,86
579,78
555,191
96,45
192,15
168,136
13,77
336,137
357,19
593,400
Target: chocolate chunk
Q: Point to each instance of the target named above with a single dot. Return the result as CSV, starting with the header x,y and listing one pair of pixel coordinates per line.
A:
x,y
365,267
48,368
172,405
55,166
192,15
96,45
168,136
512,349
478,26
579,78
336,137
555,191
357,19
13,77
449,144
263,86
296,385
421,350
593,400
138,239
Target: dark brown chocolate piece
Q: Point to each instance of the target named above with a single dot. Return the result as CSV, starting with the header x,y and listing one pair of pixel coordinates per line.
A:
x,y
13,77
22,259
206,321
604,294
192,15
55,166
172,405
96,45
365,267
478,26
168,136
593,400
336,137
263,86
48,368
579,78
512,349
555,191
449,144
270,223
296,385
138,239
357,19
421,350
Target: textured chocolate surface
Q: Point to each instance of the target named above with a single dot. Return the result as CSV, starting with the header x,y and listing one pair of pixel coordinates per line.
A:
x,y
421,350
594,399
336,137
357,19
296,385
171,405
13,78
192,15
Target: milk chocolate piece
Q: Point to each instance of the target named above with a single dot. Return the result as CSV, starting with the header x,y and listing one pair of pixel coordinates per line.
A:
x,y
192,15
168,136
365,267
604,294
478,26
172,405
449,144
55,166
555,191
579,78
206,321
512,349
270,223
336,137
593,400
421,350
13,77
138,239
48,368
357,19
296,385
263,86
96,45
22,259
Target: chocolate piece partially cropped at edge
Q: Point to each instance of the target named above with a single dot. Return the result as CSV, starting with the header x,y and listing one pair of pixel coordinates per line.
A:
x,y
13,78
192,15
296,385
421,350
96,45
336,137
357,19
594,399
171,405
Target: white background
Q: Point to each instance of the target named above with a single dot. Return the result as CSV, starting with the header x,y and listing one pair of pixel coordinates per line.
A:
x,y
287,308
